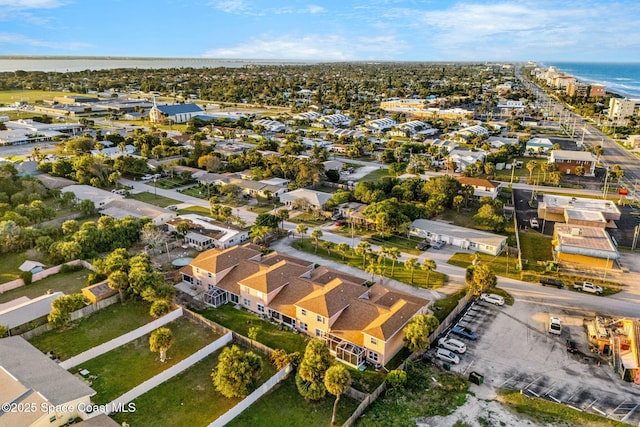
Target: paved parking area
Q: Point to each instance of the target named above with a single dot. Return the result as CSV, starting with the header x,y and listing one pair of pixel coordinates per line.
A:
x,y
515,351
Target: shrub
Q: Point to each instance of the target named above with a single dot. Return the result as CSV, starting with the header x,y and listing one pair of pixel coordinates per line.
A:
x,y
70,268
27,277
159,308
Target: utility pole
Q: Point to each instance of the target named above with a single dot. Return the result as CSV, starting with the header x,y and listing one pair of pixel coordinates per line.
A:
x,y
513,170
606,179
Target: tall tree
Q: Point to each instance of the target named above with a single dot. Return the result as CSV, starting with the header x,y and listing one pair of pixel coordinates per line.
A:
x,y
119,281
428,265
236,372
258,233
301,229
417,331
282,215
311,371
393,253
161,341
363,249
411,264
337,381
343,248
482,278
316,234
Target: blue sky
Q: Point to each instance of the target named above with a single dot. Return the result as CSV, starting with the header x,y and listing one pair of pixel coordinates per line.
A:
x,y
409,30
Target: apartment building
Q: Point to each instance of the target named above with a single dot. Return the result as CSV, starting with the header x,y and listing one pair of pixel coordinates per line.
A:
x,y
621,108
360,323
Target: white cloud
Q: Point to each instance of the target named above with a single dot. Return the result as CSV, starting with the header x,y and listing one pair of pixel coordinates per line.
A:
x,y
20,39
31,4
314,8
321,47
231,6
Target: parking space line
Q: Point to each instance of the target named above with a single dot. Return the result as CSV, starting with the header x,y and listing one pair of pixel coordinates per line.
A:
x,y
554,398
626,417
592,403
508,379
604,414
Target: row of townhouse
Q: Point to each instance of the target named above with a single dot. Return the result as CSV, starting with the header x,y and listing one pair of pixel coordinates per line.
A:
x,y
359,323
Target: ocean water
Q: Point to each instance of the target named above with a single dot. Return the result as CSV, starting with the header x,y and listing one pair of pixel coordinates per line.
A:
x,y
73,64
618,77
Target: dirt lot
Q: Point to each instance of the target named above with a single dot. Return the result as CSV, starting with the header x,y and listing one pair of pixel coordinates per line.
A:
x,y
515,351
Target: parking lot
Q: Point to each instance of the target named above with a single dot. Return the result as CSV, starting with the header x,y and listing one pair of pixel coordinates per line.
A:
x,y
515,351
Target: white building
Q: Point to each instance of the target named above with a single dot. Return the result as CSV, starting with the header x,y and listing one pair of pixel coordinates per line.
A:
x,y
122,208
86,192
380,125
176,113
205,233
334,120
315,199
465,238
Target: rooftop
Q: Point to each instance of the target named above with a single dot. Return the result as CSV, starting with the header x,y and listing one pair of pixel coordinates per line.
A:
x,y
584,240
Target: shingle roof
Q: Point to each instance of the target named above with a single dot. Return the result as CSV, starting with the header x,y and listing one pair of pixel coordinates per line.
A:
x,y
36,371
273,277
216,261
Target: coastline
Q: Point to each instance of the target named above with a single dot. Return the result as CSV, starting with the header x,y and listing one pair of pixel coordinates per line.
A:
x,y
621,79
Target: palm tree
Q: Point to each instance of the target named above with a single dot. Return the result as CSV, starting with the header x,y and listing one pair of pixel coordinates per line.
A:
x,y
301,229
282,215
394,254
531,165
363,249
337,381
342,248
410,265
316,234
428,265
160,341
258,233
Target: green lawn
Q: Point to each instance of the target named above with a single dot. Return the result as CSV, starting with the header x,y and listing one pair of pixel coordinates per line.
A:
x,y
125,367
535,247
175,182
69,283
154,199
402,274
443,306
284,406
9,263
198,210
270,335
95,329
497,263
376,175
308,219
188,399
407,245
429,391
31,96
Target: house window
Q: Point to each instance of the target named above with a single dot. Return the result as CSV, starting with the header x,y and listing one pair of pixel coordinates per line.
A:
x,y
374,341
199,282
234,298
303,312
303,326
373,356
197,270
209,274
319,333
261,308
320,318
247,302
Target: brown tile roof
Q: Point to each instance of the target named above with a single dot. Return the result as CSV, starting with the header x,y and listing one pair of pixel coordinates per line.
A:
x,y
276,257
390,321
285,301
332,298
477,182
215,261
353,320
323,275
273,277
230,282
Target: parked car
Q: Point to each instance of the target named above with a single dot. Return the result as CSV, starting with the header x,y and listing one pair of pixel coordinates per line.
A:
x,y
587,287
534,223
438,244
464,332
452,344
172,208
423,246
555,325
492,299
548,281
447,356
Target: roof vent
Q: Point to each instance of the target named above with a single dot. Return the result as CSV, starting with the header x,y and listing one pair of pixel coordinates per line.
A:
x,y
575,231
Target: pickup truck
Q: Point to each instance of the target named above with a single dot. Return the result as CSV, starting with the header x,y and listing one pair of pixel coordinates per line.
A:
x,y
587,287
548,281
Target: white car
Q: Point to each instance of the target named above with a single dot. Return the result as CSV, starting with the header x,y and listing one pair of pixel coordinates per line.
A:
x,y
555,326
452,344
492,299
447,356
534,223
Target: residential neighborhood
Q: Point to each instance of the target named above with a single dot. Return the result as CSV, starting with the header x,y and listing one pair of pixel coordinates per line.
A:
x,y
158,239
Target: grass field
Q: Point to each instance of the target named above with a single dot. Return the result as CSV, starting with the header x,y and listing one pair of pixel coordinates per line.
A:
x,y
535,247
402,274
269,335
31,96
375,176
95,329
407,245
69,283
9,264
188,399
285,407
497,263
154,199
125,367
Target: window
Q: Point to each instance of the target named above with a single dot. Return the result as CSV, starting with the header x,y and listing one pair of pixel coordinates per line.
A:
x,y
261,308
234,298
373,356
319,333
320,318
303,312
199,282
303,326
209,274
247,302
374,341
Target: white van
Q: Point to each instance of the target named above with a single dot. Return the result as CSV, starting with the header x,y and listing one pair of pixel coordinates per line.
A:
x,y
447,356
555,325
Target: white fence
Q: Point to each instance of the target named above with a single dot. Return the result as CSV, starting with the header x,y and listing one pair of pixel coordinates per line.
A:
x,y
252,398
121,340
42,274
166,374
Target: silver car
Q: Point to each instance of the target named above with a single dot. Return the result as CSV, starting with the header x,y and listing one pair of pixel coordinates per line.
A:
x,y
452,344
447,356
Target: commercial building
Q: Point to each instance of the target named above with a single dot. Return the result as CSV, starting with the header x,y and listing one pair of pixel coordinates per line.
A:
x,y
567,161
465,238
176,113
562,208
583,246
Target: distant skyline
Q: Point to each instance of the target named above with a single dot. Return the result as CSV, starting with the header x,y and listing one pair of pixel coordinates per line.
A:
x,y
359,30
